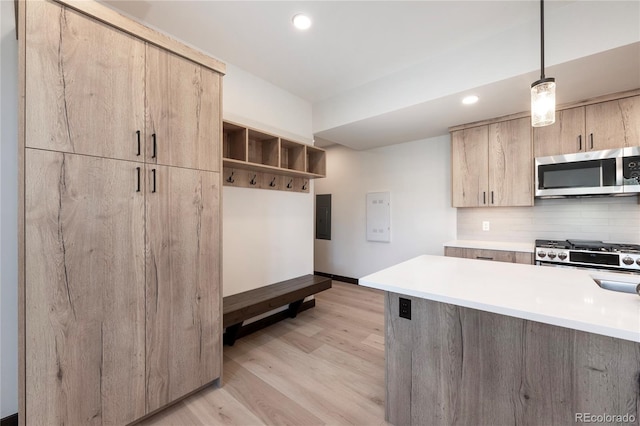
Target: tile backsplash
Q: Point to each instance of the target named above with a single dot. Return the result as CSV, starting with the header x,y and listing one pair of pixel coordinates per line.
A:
x,y
614,219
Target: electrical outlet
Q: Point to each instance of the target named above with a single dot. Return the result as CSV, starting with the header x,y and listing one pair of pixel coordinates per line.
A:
x,y
485,225
405,308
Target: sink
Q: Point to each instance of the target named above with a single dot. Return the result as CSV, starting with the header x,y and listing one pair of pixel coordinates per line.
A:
x,y
632,287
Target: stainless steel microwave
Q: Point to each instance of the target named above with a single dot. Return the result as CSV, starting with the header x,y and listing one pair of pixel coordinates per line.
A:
x,y
608,172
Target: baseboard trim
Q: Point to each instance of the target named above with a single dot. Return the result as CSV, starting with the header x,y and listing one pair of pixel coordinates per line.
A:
x,y
11,420
337,277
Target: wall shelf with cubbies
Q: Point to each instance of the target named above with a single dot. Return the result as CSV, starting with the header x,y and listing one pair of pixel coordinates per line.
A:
x,y
256,159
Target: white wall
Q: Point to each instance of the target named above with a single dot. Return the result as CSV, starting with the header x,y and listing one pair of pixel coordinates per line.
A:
x,y
267,235
8,212
418,176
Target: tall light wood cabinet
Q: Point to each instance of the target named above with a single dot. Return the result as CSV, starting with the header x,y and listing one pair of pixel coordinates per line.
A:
x,y
120,294
492,165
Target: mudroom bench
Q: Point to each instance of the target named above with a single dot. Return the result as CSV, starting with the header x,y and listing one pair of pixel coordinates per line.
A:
x,y
240,307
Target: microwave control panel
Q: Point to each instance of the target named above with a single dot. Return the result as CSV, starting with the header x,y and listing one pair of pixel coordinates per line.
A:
x,y
631,168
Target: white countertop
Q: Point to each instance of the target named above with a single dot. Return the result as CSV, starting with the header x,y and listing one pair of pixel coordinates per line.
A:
x,y
563,297
492,245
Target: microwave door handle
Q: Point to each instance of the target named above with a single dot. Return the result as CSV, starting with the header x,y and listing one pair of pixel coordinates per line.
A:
x,y
619,171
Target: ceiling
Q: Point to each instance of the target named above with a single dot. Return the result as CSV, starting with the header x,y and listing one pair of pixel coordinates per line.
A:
x,y
385,72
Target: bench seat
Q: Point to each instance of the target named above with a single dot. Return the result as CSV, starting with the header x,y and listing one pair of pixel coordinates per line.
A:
x,y
240,307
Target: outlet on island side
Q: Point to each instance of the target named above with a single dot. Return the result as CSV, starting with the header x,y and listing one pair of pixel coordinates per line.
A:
x,y
405,308
486,225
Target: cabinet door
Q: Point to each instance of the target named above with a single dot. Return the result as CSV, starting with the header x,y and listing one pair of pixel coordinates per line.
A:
x,y
469,159
565,136
523,257
84,290
183,282
454,252
495,255
84,84
613,124
510,163
183,112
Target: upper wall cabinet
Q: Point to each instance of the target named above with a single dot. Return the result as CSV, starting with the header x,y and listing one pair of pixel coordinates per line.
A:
x,y
603,125
510,163
70,108
470,166
74,56
492,165
181,96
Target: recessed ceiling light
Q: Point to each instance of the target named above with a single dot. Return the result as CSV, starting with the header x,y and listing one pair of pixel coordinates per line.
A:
x,y
471,99
301,21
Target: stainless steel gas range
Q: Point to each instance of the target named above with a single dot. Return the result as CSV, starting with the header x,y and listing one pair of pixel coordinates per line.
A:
x,y
614,266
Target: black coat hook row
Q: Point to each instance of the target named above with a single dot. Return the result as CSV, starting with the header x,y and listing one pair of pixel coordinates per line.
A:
x,y
253,180
230,179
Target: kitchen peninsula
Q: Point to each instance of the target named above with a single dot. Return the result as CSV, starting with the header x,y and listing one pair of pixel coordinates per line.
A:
x,y
501,343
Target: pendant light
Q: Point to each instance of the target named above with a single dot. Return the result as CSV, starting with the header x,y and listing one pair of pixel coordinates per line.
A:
x,y
543,91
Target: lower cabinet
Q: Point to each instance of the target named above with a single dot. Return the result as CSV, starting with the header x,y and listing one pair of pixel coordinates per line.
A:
x,y
495,255
184,325
84,290
122,291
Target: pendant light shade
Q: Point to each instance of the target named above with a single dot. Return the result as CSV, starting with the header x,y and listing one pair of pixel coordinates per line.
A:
x,y
543,102
543,91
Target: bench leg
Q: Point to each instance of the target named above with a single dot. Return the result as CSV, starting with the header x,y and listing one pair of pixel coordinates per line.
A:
x,y
231,334
294,308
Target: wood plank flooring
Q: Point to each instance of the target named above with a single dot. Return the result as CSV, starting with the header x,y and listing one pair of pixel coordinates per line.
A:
x,y
325,367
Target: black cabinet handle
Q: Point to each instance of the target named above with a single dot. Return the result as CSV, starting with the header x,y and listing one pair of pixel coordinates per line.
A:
x,y
591,139
153,172
484,197
155,146
138,133
138,171
484,258
579,142
491,197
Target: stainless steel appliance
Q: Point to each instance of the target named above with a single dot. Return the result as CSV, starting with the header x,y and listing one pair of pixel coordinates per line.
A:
x,y
608,172
614,266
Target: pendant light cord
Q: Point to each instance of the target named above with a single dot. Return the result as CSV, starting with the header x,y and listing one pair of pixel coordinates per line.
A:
x,y
541,39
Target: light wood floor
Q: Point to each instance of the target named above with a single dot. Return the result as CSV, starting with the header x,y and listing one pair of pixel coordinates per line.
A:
x,y
324,367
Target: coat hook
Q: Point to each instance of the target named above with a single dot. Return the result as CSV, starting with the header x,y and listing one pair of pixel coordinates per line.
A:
x,y
289,184
230,179
253,180
304,186
273,182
